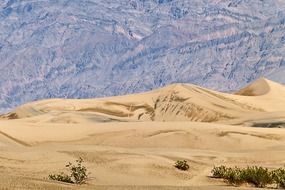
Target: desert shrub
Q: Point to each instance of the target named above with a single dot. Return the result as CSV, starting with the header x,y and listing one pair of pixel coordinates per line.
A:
x,y
278,176
219,172
61,177
234,176
78,173
181,165
258,176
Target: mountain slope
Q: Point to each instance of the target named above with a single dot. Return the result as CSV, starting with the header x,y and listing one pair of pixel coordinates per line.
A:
x,y
278,76
94,48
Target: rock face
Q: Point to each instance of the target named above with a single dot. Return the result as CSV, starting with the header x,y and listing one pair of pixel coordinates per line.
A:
x,y
93,48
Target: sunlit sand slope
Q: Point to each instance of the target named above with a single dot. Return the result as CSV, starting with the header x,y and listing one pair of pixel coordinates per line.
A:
x,y
132,155
178,102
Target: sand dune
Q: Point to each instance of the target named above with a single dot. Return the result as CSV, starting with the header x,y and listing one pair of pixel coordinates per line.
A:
x,y
132,142
178,102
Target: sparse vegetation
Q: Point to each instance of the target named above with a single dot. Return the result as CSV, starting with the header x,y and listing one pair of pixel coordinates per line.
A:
x,y
78,173
219,172
61,177
234,176
278,176
181,165
258,176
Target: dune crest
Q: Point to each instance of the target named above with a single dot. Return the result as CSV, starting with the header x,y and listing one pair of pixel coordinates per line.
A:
x,y
177,102
258,88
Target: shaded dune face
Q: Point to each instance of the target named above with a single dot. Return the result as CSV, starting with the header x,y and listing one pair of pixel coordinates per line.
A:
x,y
259,88
178,102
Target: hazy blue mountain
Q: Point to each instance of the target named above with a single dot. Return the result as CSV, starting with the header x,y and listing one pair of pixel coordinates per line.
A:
x,y
278,75
93,48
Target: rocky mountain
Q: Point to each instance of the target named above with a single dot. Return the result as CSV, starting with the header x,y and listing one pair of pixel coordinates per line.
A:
x,y
94,48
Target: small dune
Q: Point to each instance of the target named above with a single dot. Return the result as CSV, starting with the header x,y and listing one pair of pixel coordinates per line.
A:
x,y
258,88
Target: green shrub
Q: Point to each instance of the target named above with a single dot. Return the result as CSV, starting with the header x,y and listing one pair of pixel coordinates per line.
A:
x,y
78,173
61,177
181,165
258,176
234,176
219,172
278,176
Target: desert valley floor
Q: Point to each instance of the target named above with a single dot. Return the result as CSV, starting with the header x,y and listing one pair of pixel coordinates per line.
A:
x,y
133,141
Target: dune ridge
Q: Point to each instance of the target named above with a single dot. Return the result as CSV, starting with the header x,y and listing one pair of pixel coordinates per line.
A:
x,y
177,102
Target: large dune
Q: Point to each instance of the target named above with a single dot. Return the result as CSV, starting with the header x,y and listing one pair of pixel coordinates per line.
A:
x,y
177,102
132,142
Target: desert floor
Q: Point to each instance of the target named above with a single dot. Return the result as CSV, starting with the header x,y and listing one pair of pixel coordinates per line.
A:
x,y
132,155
